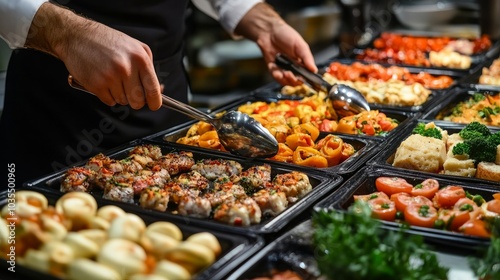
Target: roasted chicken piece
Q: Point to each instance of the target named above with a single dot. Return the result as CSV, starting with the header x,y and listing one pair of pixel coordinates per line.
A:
x,y
271,202
225,192
176,162
154,197
193,180
78,179
254,178
295,185
238,212
148,178
194,206
147,150
117,191
215,168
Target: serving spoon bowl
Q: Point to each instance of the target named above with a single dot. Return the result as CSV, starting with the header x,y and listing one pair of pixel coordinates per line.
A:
x,y
344,99
238,133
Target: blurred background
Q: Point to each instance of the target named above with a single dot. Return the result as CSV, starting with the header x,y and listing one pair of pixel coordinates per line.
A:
x,y
222,69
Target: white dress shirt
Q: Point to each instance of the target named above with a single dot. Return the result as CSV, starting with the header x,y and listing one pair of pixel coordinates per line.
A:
x,y
15,20
16,16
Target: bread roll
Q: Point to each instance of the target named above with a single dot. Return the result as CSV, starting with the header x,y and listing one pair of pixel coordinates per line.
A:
x,y
421,153
488,171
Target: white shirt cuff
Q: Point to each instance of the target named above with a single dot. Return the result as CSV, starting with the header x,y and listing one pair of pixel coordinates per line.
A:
x,y
15,20
227,12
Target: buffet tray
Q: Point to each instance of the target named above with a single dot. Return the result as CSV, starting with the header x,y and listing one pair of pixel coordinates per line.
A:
x,y
236,248
445,105
477,62
321,185
274,89
365,149
294,251
385,158
364,183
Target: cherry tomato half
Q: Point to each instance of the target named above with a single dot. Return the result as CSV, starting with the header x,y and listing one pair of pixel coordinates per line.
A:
x,y
476,228
383,208
392,185
402,200
427,188
420,215
448,196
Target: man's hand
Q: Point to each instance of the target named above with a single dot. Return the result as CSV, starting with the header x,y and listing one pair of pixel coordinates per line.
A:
x,y
273,35
114,66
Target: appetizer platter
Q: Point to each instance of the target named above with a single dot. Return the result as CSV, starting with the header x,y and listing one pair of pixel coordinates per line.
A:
x,y
74,236
450,212
212,190
467,104
383,86
469,152
428,52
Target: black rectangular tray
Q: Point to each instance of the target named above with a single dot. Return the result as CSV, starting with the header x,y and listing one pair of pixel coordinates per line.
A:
x,y
476,64
321,185
385,158
458,95
236,248
273,89
365,149
295,251
364,183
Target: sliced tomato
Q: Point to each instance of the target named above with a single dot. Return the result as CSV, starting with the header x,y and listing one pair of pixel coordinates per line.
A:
x,y
476,228
385,125
467,205
421,215
368,129
366,197
427,188
452,219
493,206
392,185
402,200
383,208
448,196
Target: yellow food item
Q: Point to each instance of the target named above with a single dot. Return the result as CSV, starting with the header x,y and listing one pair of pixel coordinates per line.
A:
x,y
411,155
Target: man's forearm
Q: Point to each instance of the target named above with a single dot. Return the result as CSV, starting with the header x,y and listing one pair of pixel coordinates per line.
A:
x,y
52,28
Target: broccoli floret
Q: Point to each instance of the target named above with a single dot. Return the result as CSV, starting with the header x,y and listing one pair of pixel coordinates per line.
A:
x,y
480,149
428,132
474,130
461,149
495,138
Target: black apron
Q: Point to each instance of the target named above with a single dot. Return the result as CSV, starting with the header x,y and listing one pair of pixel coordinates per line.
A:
x,y
47,126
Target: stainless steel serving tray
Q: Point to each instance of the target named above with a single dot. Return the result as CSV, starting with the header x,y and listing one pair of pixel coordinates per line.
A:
x,y
321,185
236,248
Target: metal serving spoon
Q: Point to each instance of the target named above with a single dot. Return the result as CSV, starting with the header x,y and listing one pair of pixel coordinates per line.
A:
x,y
238,133
344,99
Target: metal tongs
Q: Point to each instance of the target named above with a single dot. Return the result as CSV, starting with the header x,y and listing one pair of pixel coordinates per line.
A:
x,y
238,133
344,99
